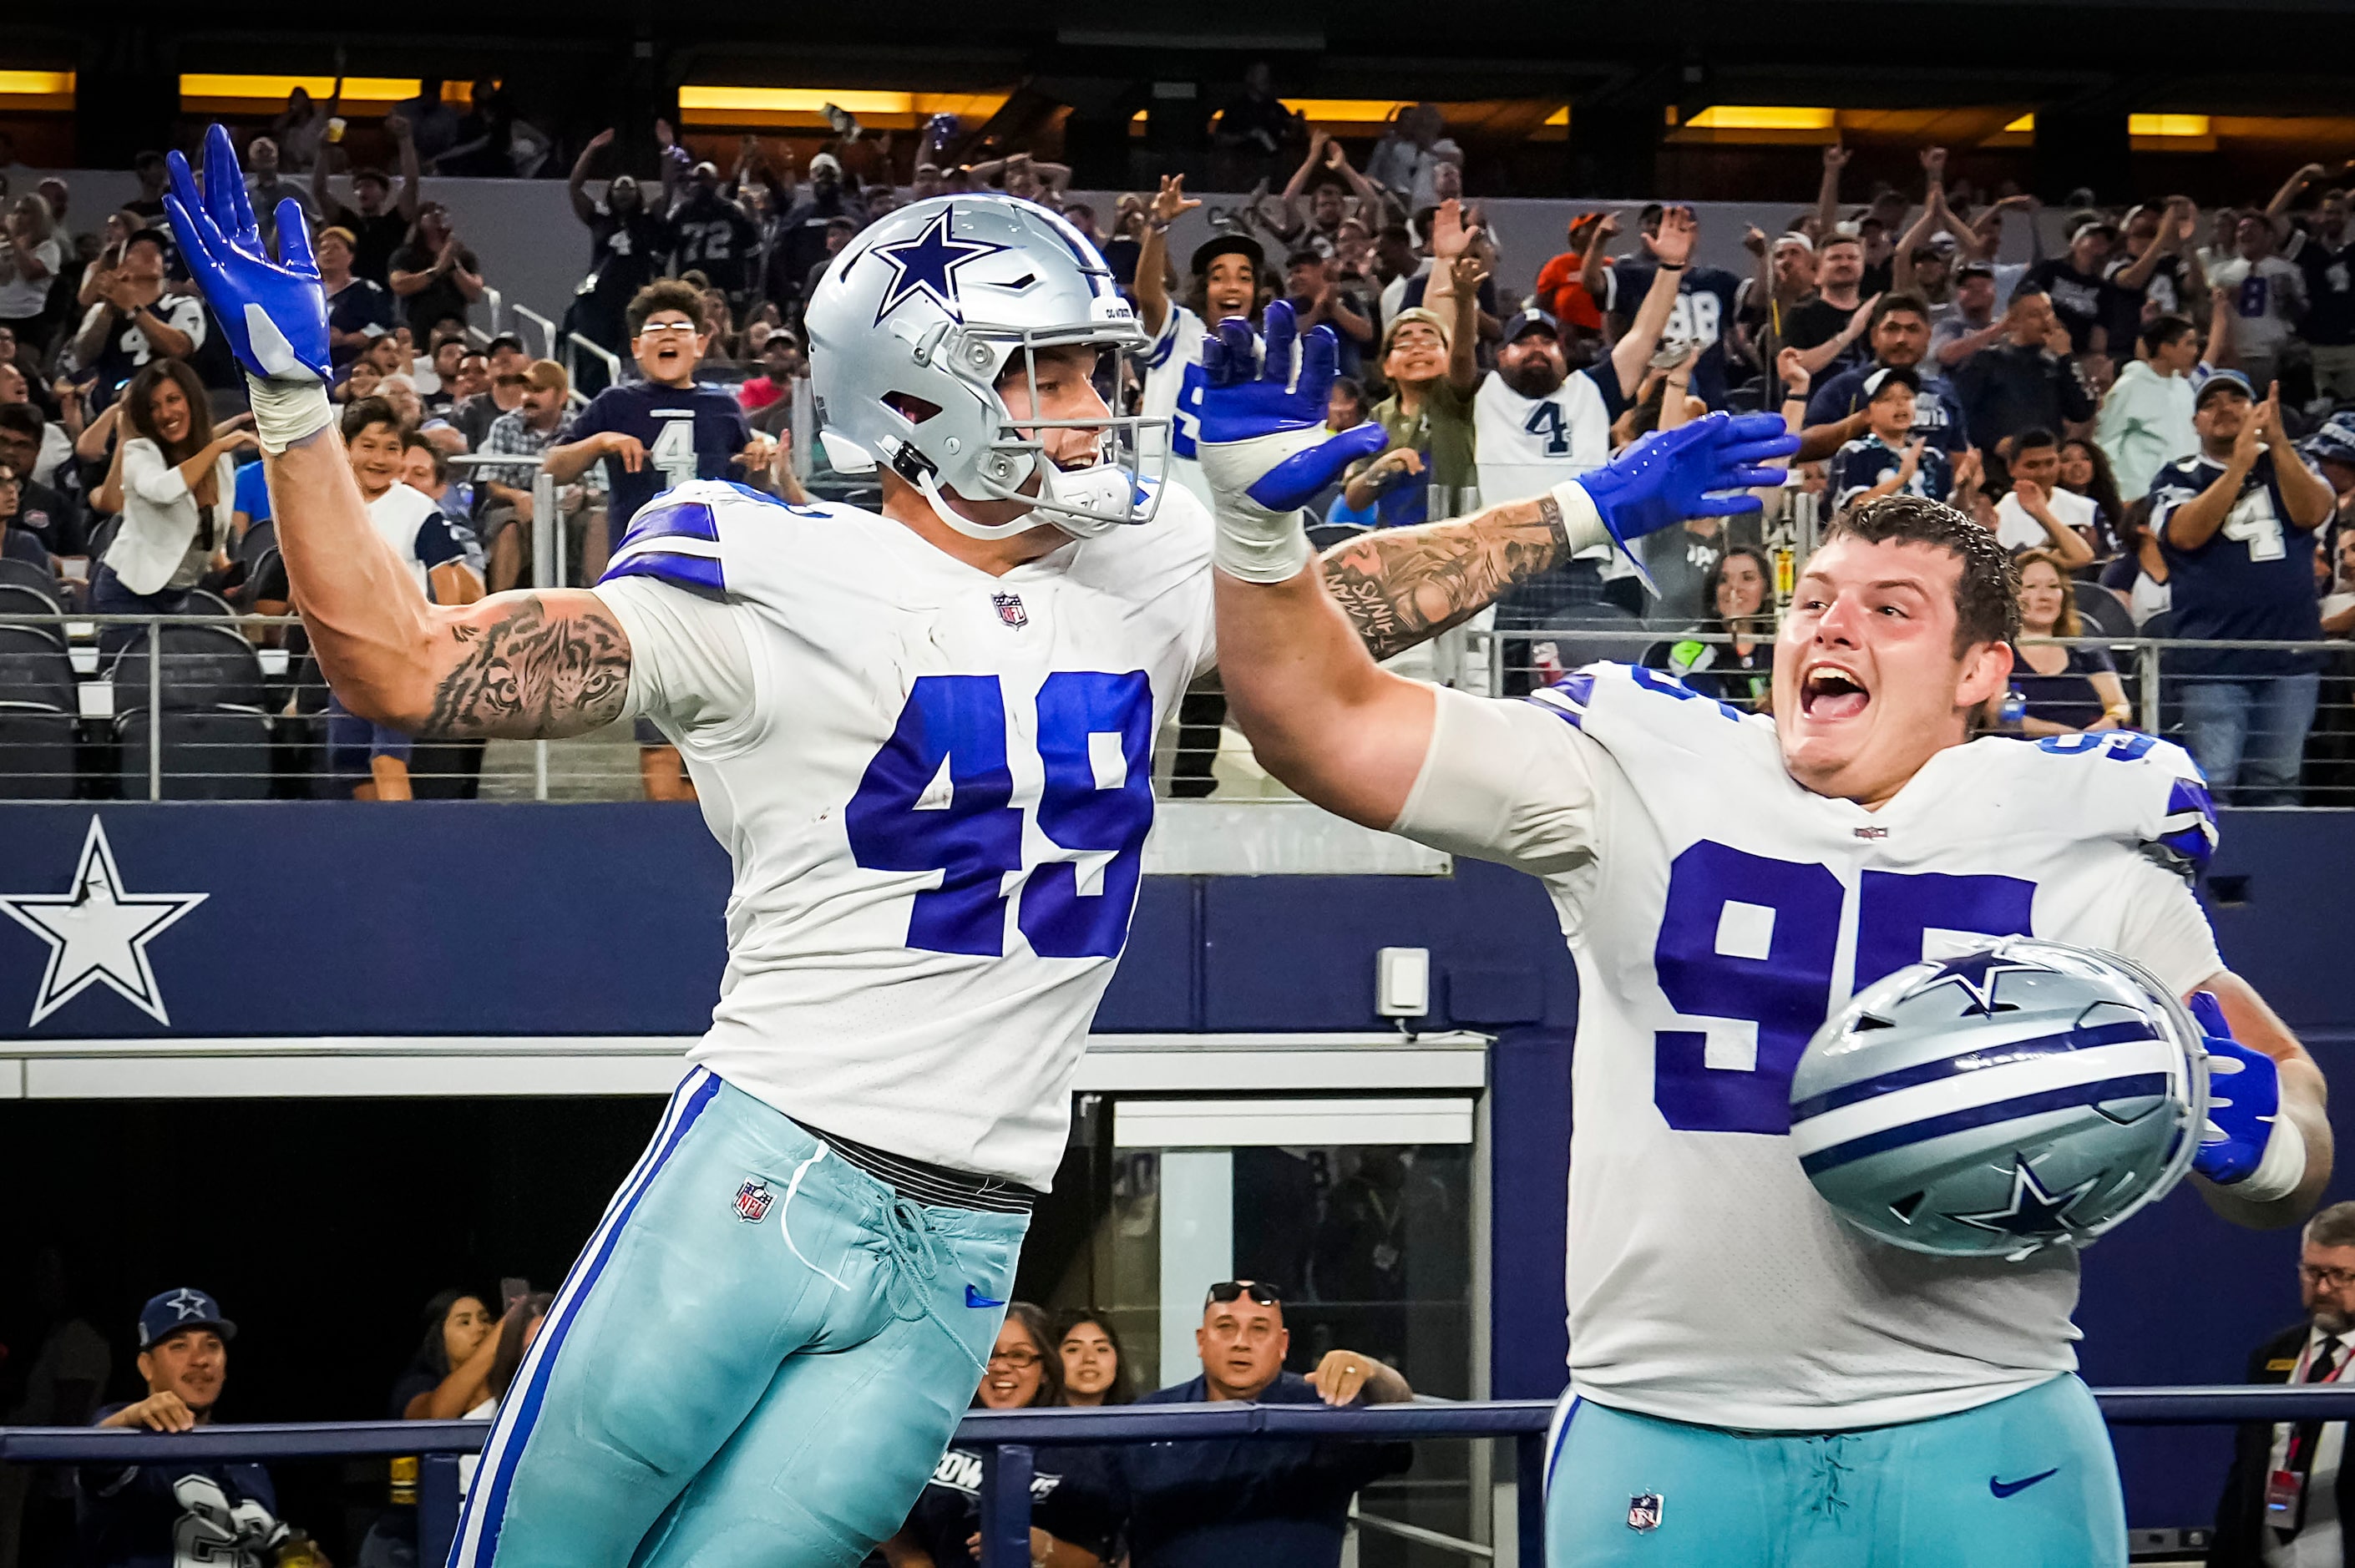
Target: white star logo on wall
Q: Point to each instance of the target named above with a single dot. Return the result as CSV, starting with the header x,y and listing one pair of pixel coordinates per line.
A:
x,y
97,933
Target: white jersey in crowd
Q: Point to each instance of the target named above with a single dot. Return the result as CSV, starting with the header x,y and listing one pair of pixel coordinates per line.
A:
x,y
1528,445
1173,391
1717,912
935,786
2016,529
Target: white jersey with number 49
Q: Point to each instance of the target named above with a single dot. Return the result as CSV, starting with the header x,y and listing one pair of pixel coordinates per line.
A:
x,y
936,785
1718,911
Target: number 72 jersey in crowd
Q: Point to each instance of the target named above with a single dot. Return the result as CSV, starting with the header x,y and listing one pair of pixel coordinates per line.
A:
x,y
1718,911
936,785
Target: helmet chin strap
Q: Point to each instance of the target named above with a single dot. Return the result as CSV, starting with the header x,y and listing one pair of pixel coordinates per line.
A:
x,y
1098,489
930,489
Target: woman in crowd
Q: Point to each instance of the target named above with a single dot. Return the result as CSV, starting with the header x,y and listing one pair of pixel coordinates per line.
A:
x,y
461,1371
1740,672
451,1371
1095,1370
2085,469
30,256
1073,1518
2137,574
2068,690
176,482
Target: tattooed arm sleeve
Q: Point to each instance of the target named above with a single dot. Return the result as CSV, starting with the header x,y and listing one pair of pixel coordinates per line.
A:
x,y
523,666
1401,587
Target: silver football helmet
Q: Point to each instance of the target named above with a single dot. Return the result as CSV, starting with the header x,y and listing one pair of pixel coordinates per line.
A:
x,y
925,310
2024,1095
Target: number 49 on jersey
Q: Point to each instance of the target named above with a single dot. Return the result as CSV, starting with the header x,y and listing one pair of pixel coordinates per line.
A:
x,y
939,797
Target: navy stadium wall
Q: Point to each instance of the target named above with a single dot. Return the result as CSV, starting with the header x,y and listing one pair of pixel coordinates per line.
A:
x,y
465,919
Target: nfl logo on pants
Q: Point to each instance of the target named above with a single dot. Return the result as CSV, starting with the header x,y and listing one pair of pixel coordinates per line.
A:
x,y
752,1201
1644,1512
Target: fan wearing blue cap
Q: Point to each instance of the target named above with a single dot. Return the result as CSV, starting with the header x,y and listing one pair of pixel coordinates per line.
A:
x,y
2237,526
159,1514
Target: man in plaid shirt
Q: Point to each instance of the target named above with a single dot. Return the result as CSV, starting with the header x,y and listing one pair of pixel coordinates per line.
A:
x,y
526,431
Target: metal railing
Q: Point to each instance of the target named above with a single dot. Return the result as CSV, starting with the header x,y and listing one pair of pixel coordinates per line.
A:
x,y
1010,1442
547,329
76,721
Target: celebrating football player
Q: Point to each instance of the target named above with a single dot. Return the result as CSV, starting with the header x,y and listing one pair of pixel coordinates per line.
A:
x,y
1724,881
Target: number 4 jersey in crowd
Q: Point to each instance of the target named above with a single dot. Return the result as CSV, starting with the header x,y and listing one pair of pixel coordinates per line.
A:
x,y
936,785
1717,912
688,432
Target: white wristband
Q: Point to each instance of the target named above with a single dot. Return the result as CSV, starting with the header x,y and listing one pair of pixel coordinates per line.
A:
x,y
2281,1169
1261,546
285,412
1581,523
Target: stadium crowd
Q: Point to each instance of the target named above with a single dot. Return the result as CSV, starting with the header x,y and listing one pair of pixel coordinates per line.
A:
x,y
2157,417
1165,1505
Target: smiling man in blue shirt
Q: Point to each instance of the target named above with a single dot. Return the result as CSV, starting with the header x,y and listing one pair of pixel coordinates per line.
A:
x,y
1273,1504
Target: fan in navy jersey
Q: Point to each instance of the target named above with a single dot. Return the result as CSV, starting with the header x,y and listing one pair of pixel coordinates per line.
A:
x,y
654,435
1702,314
1892,458
2237,526
713,233
662,431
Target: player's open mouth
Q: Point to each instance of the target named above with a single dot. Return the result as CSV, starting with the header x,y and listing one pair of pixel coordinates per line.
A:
x,y
1829,692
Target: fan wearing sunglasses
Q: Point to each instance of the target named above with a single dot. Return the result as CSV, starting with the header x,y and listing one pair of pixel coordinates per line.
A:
x,y
1282,1504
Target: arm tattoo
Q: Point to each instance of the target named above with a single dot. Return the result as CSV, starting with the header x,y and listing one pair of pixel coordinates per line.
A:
x,y
532,673
1405,586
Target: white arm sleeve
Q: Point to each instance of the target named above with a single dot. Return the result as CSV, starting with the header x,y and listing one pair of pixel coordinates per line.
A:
x,y
1507,781
691,665
2164,930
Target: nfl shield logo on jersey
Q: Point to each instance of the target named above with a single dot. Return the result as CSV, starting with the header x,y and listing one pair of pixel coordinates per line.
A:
x,y
1644,1512
751,1201
1010,610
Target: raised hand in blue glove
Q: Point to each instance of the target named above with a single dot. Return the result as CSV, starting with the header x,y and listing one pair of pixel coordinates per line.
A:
x,y
274,313
1671,475
2244,1106
1263,442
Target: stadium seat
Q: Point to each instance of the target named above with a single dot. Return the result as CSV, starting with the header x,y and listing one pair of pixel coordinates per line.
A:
x,y
2102,614
27,574
205,602
39,713
214,726
17,599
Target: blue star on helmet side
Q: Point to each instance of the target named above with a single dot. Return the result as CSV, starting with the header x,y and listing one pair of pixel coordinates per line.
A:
x,y
927,264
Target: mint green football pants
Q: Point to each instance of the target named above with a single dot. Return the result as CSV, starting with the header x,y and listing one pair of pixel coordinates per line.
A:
x,y
757,1361
2028,1481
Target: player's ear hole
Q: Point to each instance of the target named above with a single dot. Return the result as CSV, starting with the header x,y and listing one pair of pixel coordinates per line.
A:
x,y
913,408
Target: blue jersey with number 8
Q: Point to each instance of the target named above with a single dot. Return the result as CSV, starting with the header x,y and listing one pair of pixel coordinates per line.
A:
x,y
1718,911
936,785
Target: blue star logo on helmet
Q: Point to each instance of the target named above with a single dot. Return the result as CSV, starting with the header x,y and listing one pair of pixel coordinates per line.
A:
x,y
1975,975
2033,1211
927,265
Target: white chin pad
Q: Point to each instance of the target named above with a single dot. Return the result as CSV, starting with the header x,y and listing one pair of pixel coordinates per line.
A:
x,y
1104,489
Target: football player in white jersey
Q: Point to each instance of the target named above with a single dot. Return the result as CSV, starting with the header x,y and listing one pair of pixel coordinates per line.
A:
x,y
925,736
1751,1379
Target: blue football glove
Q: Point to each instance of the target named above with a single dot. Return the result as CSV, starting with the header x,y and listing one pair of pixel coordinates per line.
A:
x,y
1671,475
2244,1098
1262,440
274,313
